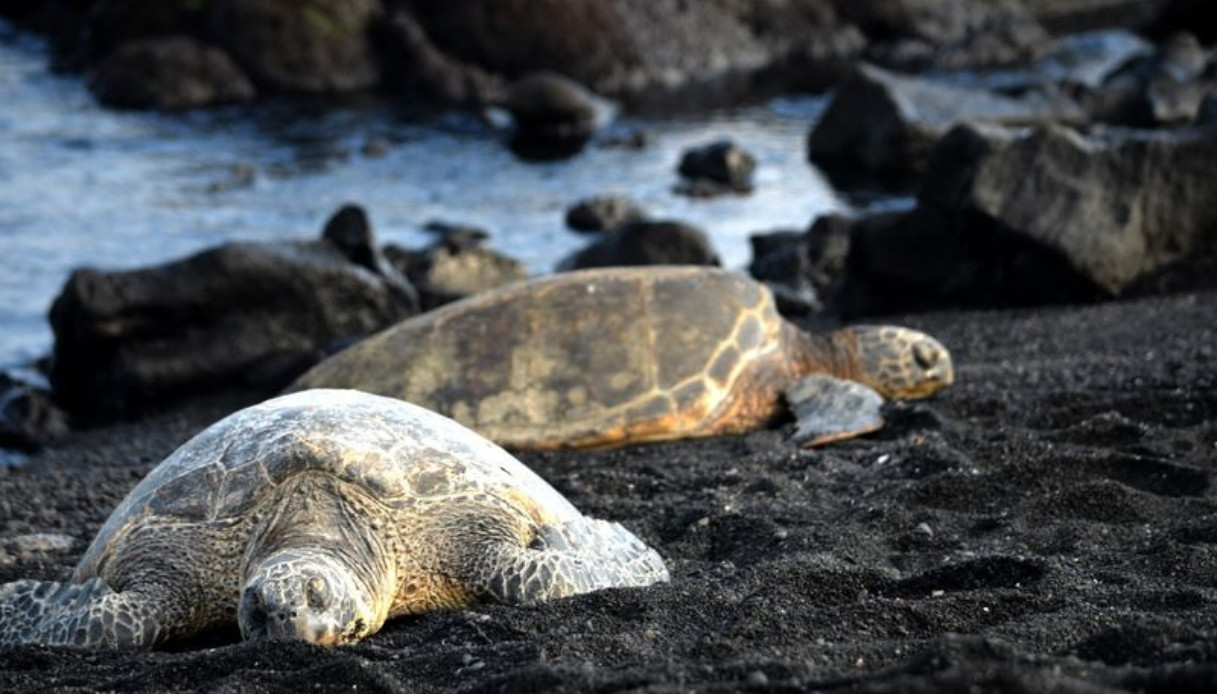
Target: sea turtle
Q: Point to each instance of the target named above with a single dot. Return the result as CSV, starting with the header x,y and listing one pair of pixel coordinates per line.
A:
x,y
317,516
605,357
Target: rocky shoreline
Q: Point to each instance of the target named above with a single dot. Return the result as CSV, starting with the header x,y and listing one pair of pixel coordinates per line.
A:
x,y
189,54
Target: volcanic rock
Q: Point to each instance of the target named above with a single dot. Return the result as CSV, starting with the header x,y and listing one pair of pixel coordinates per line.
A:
x,y
241,314
646,243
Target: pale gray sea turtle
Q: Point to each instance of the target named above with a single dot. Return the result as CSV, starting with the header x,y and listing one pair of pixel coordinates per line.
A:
x,y
317,516
621,355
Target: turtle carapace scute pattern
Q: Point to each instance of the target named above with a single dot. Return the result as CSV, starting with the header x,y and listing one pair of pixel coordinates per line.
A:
x,y
612,356
317,516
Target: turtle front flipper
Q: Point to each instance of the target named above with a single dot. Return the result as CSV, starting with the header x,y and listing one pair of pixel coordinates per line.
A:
x,y
88,614
831,409
575,557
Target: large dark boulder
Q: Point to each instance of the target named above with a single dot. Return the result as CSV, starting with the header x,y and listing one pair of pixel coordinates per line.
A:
x,y
646,243
552,115
880,126
241,314
929,258
780,259
1117,205
1019,217
169,74
308,46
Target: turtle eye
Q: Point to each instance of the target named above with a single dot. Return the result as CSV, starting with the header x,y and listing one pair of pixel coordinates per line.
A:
x,y
925,355
318,593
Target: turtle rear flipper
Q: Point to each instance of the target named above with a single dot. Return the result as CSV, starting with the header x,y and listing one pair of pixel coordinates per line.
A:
x,y
578,556
831,409
88,614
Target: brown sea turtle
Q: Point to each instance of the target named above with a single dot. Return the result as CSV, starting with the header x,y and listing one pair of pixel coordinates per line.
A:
x,y
622,355
317,516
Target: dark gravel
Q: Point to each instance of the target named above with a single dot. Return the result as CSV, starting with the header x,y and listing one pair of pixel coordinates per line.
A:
x,y
1047,525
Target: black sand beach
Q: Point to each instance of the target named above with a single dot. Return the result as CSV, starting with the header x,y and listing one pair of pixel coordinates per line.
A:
x,y
1049,524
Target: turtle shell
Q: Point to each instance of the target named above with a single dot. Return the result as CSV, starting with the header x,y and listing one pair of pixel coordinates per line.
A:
x,y
397,451
586,358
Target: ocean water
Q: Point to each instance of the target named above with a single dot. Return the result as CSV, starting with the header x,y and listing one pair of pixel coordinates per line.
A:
x,y
85,186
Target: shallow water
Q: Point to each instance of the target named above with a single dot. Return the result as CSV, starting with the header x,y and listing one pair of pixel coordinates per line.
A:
x,y
82,185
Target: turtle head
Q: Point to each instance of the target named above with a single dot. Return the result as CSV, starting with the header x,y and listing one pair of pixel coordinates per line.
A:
x,y
898,362
308,597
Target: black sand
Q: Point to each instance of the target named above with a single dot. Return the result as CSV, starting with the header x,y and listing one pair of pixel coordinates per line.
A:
x,y
1049,524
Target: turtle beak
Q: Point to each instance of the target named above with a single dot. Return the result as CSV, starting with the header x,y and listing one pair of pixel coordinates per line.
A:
x,y
934,363
274,615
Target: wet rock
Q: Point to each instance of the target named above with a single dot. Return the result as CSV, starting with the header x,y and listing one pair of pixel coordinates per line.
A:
x,y
1160,88
456,266
880,126
29,419
603,213
780,260
1020,217
1120,78
316,47
1088,59
553,116
641,49
411,61
828,249
169,74
585,41
660,53
927,258
646,243
717,168
1180,57
238,315
803,268
350,232
914,35
776,243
